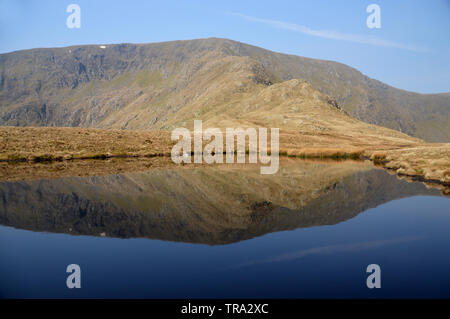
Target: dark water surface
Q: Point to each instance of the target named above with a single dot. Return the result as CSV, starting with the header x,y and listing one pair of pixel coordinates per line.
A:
x,y
309,231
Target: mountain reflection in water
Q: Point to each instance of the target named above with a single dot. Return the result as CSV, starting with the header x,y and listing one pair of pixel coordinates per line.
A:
x,y
213,205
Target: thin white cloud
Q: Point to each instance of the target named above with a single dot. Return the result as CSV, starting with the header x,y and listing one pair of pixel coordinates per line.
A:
x,y
334,35
330,249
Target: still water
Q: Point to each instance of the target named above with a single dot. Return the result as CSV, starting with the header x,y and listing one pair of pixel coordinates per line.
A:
x,y
228,232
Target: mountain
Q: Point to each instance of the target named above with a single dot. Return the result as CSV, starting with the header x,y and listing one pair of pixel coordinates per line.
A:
x,y
164,85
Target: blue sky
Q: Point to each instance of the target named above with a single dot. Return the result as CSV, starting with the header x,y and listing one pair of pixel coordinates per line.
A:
x,y
411,50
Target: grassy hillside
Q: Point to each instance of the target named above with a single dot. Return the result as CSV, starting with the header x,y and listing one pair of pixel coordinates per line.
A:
x,y
233,95
161,85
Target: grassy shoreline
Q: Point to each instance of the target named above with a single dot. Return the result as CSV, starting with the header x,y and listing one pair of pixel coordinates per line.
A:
x,y
425,162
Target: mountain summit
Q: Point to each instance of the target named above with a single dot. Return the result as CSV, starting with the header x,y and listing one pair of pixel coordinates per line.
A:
x,y
164,85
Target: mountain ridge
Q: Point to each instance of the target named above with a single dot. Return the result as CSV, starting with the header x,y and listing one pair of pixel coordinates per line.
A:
x,y
84,85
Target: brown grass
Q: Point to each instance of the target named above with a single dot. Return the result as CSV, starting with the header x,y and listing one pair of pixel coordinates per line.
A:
x,y
41,151
429,161
44,144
